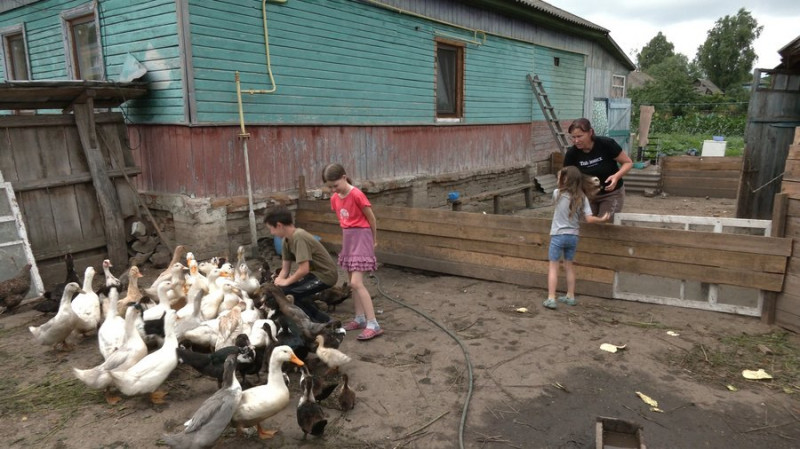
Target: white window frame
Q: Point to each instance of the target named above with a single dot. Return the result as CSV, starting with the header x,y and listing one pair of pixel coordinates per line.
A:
x,y
66,32
4,33
617,83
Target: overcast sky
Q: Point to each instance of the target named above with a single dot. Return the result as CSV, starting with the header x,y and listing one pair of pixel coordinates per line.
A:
x,y
685,23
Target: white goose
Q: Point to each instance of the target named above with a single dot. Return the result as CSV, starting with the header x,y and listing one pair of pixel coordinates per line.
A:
x,y
87,305
111,334
151,371
56,330
130,353
263,401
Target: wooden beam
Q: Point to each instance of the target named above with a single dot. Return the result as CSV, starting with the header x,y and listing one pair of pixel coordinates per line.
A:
x,y
104,189
62,181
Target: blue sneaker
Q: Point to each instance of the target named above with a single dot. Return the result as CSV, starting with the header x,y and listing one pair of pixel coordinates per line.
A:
x,y
567,300
550,303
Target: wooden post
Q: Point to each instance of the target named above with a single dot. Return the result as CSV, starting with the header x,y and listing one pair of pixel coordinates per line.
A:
x,y
779,208
301,188
104,189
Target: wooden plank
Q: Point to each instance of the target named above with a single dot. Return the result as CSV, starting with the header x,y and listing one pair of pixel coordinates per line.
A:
x,y
714,275
749,244
66,180
76,246
779,209
645,252
104,189
700,163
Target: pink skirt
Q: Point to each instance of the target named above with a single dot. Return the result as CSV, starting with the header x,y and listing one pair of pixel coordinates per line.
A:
x,y
358,250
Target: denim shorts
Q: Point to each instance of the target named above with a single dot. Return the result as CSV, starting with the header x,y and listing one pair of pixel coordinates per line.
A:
x,y
565,244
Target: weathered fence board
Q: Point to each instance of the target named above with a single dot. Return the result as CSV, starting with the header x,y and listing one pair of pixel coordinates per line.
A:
x,y
716,177
514,249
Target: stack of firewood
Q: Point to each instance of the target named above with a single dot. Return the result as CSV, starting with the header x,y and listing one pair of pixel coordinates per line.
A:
x,y
145,246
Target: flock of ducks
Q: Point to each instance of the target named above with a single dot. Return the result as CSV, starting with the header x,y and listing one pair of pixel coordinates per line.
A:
x,y
224,321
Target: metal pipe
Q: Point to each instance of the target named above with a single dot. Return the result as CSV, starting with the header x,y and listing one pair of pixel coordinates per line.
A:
x,y
244,136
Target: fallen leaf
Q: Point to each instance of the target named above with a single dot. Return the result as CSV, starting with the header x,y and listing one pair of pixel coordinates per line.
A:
x,y
731,387
672,333
756,375
608,347
647,399
522,310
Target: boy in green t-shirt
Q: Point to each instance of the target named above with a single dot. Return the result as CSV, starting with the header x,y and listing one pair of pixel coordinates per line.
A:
x,y
316,269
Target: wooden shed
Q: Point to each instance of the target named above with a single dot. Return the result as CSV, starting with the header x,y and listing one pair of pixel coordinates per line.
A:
x,y
70,172
772,116
392,89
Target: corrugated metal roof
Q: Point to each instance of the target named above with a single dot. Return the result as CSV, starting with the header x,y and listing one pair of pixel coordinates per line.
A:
x,y
561,14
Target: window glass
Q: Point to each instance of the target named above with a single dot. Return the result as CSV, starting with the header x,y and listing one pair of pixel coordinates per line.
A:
x,y
17,60
449,80
87,60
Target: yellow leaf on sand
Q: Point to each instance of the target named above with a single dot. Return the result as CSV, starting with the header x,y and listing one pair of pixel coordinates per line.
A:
x,y
647,399
608,347
756,375
522,310
731,387
672,333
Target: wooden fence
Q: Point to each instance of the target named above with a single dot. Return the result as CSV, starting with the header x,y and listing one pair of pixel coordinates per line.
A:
x,y
68,173
717,177
787,313
514,249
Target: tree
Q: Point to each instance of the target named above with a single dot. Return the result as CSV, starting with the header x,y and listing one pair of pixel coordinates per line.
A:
x,y
727,55
658,49
672,88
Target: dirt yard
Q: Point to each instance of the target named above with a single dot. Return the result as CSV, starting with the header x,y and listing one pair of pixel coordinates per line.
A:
x,y
458,354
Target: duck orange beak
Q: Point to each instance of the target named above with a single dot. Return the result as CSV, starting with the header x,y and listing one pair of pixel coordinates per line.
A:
x,y
296,360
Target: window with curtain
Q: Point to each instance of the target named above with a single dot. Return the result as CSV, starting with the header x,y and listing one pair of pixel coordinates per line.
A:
x,y
449,80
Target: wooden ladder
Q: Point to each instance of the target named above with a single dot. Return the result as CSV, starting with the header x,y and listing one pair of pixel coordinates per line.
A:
x,y
549,112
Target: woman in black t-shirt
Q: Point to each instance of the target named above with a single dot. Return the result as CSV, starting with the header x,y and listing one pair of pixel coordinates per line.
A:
x,y
602,157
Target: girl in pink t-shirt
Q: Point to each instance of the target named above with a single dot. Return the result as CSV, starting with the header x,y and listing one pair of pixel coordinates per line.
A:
x,y
359,239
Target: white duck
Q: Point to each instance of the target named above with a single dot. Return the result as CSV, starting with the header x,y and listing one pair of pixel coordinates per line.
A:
x,y
56,330
150,372
111,334
263,401
87,305
230,297
332,357
130,353
212,300
111,280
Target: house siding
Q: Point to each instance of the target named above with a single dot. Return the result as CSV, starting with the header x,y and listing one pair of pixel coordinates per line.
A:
x,y
351,63
146,30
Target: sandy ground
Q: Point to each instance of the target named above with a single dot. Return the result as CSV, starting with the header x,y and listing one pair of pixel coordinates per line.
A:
x,y
459,365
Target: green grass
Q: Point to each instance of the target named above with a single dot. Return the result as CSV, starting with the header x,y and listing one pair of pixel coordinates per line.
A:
x,y
680,144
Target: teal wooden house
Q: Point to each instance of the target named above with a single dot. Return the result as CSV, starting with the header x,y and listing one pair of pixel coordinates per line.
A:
x,y
391,89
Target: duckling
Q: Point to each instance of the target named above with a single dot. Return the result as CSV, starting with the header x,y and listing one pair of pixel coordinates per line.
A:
x,y
111,334
347,397
310,415
87,305
53,297
56,330
131,352
275,296
214,414
261,402
333,296
332,357
212,365
150,372
134,294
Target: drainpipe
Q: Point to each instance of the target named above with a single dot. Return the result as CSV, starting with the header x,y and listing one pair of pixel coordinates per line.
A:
x,y
243,135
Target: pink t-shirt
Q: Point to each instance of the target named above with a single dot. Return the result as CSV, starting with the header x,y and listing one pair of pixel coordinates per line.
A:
x,y
349,209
